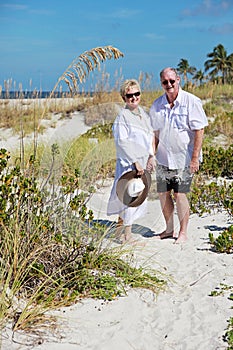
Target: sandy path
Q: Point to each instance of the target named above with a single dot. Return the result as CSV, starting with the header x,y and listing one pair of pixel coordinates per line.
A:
x,y
65,129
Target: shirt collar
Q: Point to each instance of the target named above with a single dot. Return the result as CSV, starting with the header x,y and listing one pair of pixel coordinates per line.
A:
x,y
177,100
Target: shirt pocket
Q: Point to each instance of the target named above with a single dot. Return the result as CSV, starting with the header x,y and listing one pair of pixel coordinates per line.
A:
x,y
180,119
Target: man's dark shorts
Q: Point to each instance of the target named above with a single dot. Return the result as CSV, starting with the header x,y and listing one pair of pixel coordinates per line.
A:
x,y
176,180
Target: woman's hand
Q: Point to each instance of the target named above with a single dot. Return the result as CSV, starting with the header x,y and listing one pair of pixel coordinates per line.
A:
x,y
139,168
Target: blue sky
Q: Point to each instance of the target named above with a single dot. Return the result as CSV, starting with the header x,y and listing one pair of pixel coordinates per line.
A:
x,y
39,39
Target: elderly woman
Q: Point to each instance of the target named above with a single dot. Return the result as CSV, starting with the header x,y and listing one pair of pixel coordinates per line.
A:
x,y
133,137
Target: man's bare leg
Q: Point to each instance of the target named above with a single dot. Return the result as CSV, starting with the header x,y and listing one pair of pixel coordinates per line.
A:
x,y
167,206
183,211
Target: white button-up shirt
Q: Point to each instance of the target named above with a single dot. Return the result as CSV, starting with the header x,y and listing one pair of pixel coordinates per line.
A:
x,y
133,136
176,128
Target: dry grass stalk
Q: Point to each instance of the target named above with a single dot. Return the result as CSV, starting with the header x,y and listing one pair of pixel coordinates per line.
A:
x,y
81,66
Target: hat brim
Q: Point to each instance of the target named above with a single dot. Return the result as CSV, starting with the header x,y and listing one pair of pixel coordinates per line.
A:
x,y
121,188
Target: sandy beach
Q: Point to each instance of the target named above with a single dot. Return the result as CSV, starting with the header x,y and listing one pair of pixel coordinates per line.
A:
x,y
65,129
184,317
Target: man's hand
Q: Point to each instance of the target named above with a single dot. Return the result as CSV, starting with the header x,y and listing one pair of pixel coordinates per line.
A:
x,y
151,164
194,165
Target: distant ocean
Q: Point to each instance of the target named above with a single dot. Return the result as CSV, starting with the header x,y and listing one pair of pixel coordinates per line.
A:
x,y
33,94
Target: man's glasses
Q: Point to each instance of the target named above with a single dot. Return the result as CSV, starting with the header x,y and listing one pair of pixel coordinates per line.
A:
x,y
136,94
171,81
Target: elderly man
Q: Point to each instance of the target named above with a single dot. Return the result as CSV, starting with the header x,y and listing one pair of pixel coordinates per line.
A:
x,y
178,121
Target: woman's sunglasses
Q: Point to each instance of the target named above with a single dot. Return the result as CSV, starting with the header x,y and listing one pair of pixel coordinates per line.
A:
x,y
136,94
171,81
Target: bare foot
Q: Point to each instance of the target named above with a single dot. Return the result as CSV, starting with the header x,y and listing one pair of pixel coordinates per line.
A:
x,y
123,234
182,238
119,231
165,235
130,240
127,238
135,242
128,233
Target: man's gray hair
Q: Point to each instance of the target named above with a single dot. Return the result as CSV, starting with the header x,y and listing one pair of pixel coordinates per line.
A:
x,y
168,68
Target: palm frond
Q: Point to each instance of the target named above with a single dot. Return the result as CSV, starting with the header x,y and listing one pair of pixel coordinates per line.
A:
x,y
81,66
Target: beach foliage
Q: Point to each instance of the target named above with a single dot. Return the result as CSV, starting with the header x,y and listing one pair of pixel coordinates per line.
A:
x,y
221,290
212,195
93,150
228,336
212,190
218,161
53,251
224,242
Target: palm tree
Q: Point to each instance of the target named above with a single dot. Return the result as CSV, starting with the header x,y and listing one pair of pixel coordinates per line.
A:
x,y
219,62
199,76
230,69
184,69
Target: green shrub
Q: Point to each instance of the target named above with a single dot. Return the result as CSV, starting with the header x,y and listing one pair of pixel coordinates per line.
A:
x,y
224,242
52,252
218,161
209,195
206,197
228,336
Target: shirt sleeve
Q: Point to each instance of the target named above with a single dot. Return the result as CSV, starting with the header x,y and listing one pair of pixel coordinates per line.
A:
x,y
126,150
197,116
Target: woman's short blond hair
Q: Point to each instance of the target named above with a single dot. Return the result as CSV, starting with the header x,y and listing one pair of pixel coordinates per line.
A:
x,y
128,84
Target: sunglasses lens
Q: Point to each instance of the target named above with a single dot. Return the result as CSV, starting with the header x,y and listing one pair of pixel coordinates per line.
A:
x,y
136,94
165,82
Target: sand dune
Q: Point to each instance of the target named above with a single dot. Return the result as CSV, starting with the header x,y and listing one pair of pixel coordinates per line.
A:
x,y
184,317
65,129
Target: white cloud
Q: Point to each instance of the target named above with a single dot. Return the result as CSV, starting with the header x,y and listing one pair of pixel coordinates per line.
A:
x,y
124,13
153,36
42,12
226,28
18,7
209,8
114,14
14,7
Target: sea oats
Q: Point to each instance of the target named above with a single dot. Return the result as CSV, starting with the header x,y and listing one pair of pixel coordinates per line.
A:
x,y
81,66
